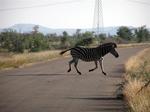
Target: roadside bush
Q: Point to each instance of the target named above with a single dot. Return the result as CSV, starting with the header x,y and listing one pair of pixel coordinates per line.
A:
x,y
84,42
137,75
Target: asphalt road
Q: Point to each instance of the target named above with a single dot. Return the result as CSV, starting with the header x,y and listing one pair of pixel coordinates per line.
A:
x,y
47,87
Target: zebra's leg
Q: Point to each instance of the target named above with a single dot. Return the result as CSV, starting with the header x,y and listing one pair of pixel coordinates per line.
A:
x,y
101,65
94,68
75,65
70,62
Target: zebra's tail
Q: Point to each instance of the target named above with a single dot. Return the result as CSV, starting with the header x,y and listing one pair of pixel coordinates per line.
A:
x,y
62,52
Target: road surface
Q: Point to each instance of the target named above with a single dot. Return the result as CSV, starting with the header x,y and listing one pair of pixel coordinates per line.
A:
x,y
47,87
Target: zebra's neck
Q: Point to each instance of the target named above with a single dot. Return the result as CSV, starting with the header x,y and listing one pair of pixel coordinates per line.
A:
x,y
102,51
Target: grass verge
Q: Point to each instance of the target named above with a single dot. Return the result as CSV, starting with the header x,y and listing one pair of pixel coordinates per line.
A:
x,y
17,60
133,45
137,74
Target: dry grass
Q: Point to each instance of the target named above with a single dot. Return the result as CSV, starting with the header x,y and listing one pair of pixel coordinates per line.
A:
x,y
133,45
17,60
139,66
137,73
137,102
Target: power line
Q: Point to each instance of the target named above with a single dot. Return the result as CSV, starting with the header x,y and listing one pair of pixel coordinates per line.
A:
x,y
139,2
60,3
41,5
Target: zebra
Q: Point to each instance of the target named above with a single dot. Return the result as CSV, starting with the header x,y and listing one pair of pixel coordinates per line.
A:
x,y
91,54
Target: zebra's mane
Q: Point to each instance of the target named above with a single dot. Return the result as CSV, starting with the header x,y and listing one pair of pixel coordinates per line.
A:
x,y
108,44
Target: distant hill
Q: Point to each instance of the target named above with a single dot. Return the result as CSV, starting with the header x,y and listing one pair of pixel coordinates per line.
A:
x,y
1,30
26,28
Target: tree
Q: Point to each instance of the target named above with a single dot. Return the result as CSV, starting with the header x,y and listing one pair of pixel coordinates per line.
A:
x,y
87,34
84,42
124,33
65,40
39,43
35,29
102,37
64,37
78,34
18,42
142,34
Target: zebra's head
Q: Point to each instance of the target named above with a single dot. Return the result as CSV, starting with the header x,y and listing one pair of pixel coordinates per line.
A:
x,y
113,50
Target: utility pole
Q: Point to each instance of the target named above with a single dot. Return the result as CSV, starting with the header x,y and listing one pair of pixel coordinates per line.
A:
x,y
98,18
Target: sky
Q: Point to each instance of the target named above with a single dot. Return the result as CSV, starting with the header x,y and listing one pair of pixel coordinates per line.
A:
x,y
73,13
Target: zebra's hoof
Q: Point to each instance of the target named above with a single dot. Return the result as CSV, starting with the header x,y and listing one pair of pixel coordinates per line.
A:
x,y
104,73
90,70
69,70
79,73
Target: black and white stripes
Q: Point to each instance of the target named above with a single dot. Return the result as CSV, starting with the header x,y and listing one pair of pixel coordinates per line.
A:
x,y
91,54
85,54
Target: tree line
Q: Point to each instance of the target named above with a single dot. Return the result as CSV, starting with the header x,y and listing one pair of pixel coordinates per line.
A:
x,y
141,34
34,41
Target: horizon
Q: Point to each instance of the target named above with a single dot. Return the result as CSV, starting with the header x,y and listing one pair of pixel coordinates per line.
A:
x,y
27,28
68,28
